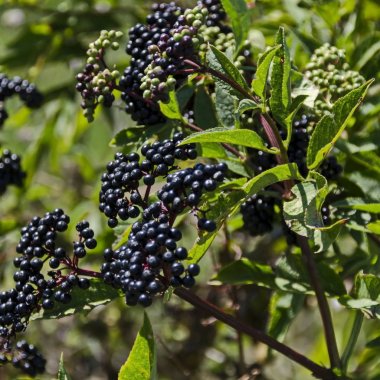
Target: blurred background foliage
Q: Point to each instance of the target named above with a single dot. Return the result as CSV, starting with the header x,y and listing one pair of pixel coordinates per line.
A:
x,y
63,155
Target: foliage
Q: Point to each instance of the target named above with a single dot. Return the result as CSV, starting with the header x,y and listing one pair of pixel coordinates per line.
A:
x,y
278,97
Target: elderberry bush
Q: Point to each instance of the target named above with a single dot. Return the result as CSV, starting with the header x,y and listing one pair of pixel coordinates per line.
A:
x,y
26,91
11,172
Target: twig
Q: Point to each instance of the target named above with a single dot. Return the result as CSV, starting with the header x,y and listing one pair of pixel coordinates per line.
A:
x,y
317,370
322,302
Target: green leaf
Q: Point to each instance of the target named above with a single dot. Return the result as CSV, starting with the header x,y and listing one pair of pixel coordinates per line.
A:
x,y
259,84
204,110
141,363
136,135
212,150
228,203
358,204
244,271
283,307
83,301
225,105
280,80
220,63
302,214
238,14
243,137
247,105
62,373
330,127
290,275
171,109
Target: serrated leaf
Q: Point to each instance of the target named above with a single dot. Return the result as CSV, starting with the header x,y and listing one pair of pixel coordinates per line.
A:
x,y
280,80
220,63
228,203
302,214
141,363
225,105
247,105
330,127
204,110
243,137
83,300
62,373
238,14
171,109
260,82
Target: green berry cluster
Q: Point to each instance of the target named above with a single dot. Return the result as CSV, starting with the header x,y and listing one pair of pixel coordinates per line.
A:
x,y
329,71
182,42
97,82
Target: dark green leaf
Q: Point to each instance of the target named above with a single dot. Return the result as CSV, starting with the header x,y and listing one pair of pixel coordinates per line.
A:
x,y
247,105
280,80
330,127
245,271
204,110
243,137
237,12
358,204
141,363
136,135
260,82
98,294
220,62
225,105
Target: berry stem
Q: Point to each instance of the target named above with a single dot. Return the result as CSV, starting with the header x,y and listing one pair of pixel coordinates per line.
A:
x,y
88,273
317,370
322,302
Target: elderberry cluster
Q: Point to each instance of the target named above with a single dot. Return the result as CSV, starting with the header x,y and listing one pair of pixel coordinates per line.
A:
x,y
141,37
169,55
150,260
23,356
184,188
97,82
216,14
258,214
26,91
124,174
32,290
11,172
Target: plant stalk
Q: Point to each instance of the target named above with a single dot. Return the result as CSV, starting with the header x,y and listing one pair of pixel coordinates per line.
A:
x,y
323,305
354,335
317,370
